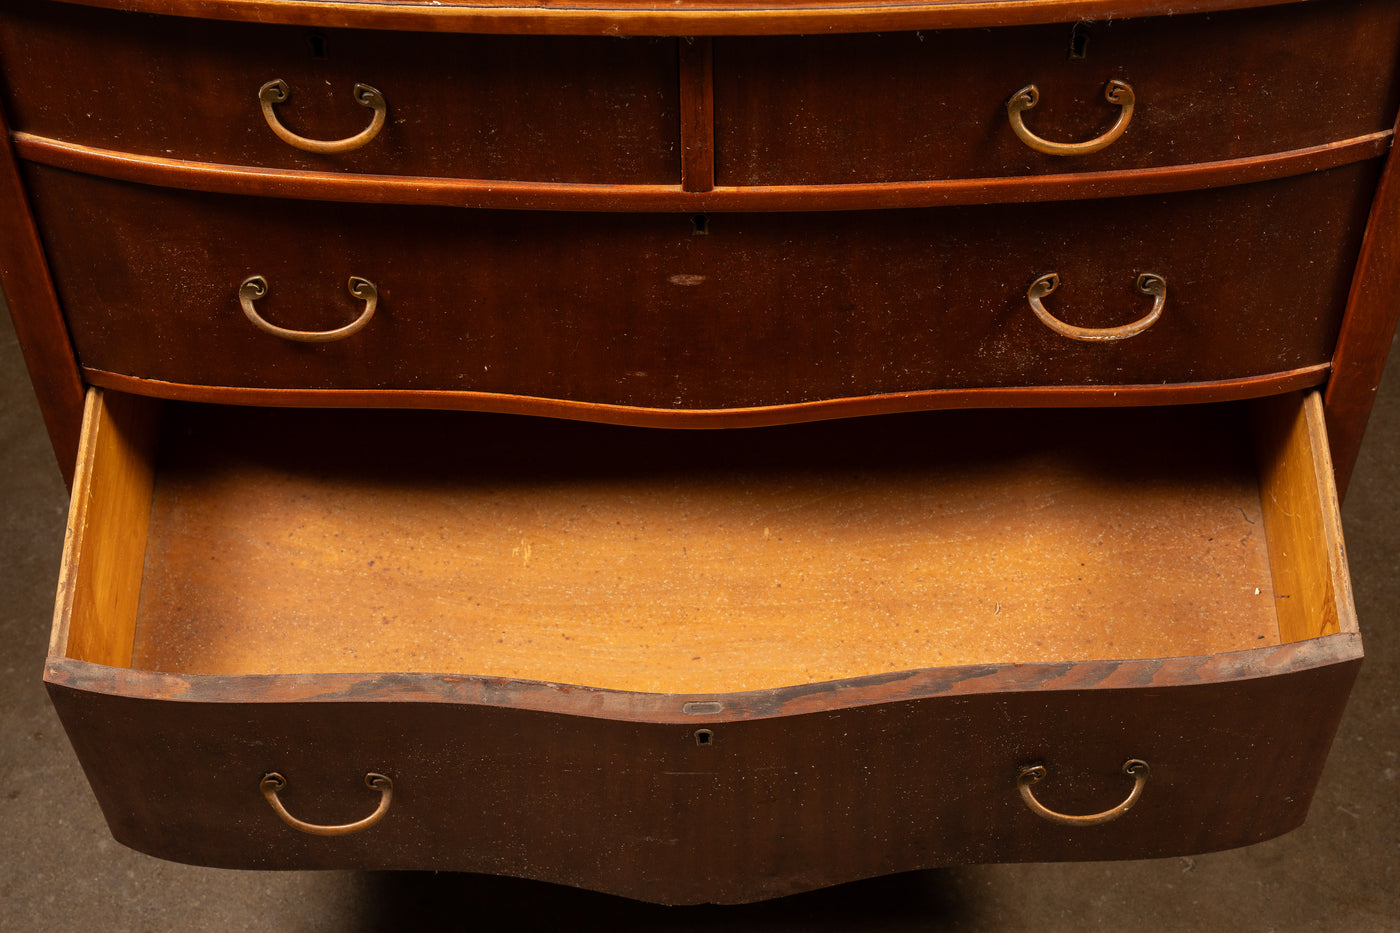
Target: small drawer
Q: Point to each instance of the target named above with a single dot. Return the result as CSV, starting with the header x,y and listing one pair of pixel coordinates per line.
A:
x,y
559,109
933,105
640,661
636,312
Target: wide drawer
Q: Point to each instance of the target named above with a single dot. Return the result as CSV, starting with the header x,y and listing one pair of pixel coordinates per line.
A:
x,y
563,109
932,105
637,312
700,666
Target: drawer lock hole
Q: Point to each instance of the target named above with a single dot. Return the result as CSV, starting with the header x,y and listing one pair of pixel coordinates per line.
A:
x,y
704,737
318,46
700,225
1079,42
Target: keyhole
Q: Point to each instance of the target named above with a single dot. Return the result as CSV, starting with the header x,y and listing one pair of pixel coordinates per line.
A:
x,y
700,225
1079,42
704,737
318,45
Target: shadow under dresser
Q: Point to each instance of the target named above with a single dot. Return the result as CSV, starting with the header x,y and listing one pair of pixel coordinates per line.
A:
x,y
701,452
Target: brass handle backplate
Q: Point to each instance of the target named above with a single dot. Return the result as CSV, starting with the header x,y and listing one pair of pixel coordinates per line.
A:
x,y
273,782
1148,283
1032,774
1119,93
255,286
275,92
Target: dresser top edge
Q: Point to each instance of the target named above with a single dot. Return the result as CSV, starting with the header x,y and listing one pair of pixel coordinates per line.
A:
x,y
680,17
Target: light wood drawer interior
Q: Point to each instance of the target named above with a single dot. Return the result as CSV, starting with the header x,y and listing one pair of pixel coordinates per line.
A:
x,y
282,541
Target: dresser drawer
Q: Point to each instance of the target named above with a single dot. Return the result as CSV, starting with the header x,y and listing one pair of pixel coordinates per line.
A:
x,y
564,109
933,105
688,666
633,310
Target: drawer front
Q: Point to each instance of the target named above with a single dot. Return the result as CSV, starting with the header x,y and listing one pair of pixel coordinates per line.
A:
x,y
534,109
635,310
931,105
762,808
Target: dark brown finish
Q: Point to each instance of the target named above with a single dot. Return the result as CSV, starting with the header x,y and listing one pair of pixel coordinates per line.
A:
x,y
456,192
1182,393
488,787
908,769
39,325
695,17
697,66
633,310
528,216
544,109
926,105
1373,308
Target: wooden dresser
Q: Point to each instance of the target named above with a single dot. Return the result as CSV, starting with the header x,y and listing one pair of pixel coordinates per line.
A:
x,y
1036,337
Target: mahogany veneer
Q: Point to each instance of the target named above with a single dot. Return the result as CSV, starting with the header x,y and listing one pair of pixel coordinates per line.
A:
x,y
296,632
679,649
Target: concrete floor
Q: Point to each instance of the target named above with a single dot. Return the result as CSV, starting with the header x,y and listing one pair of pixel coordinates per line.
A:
x,y
60,871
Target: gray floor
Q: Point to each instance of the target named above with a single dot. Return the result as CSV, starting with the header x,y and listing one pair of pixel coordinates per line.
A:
x,y
59,869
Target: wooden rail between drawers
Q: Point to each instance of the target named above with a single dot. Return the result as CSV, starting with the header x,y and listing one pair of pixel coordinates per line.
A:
x,y
525,195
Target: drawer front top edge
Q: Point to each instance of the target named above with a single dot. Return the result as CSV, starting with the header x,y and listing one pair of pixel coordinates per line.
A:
x,y
622,705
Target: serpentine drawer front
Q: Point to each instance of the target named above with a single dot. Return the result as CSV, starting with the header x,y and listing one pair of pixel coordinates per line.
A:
x,y
631,309
480,617
1047,332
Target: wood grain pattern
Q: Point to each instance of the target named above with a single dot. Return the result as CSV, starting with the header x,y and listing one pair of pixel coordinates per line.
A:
x,y
479,193
1187,393
681,563
1301,514
38,320
694,17
926,105
100,581
1373,308
552,109
697,104
637,808
633,310
393,618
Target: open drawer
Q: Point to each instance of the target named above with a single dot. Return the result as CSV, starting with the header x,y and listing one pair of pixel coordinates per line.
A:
x,y
700,666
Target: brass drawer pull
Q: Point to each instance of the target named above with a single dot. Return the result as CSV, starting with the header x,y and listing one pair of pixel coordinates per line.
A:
x,y
1148,283
1117,92
275,92
272,782
255,286
1032,774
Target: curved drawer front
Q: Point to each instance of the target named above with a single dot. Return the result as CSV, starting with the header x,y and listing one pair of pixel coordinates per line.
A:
x,y
635,310
913,106
531,109
765,808
805,654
